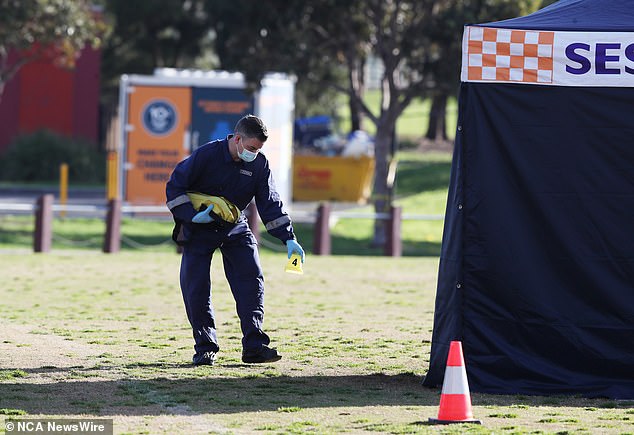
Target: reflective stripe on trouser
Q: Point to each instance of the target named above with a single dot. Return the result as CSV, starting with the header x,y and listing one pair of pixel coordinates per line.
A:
x,y
243,271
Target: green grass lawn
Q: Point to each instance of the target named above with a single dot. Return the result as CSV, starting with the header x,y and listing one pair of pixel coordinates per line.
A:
x,y
86,334
411,125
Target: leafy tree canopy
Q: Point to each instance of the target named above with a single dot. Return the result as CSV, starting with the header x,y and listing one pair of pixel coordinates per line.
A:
x,y
150,34
56,29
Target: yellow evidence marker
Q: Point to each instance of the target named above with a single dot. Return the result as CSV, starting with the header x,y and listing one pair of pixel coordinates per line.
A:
x,y
294,264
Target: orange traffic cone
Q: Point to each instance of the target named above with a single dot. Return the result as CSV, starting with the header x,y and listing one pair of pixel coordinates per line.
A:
x,y
455,400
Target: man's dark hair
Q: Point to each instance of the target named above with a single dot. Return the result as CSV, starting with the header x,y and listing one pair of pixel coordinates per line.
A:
x,y
252,126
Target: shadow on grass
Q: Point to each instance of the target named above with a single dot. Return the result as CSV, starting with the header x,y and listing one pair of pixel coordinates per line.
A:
x,y
420,176
347,246
212,395
182,394
351,246
91,240
13,236
196,390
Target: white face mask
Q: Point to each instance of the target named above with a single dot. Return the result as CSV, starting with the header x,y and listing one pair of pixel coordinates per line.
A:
x,y
246,155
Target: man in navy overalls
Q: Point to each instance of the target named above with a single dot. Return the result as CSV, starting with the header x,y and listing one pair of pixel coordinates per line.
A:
x,y
235,169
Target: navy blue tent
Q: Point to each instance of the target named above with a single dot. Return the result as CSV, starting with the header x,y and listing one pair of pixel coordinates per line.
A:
x,y
536,273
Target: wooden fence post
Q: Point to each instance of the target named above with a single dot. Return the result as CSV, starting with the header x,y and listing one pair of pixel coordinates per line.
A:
x,y
321,238
112,239
43,235
393,244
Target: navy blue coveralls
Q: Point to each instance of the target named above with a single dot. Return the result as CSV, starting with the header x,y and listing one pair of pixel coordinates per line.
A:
x,y
211,170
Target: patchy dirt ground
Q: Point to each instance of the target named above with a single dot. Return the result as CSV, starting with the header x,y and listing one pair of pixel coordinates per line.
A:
x,y
73,382
24,347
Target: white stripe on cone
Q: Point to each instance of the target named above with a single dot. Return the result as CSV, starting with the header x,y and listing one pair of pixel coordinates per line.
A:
x,y
455,380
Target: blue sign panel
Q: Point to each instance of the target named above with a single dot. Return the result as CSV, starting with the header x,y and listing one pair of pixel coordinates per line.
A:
x,y
215,112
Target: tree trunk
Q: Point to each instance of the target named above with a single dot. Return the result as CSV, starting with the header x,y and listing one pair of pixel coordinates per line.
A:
x,y
383,155
356,116
437,128
357,84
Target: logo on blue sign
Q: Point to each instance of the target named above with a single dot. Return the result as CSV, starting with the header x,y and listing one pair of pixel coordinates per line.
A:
x,y
159,117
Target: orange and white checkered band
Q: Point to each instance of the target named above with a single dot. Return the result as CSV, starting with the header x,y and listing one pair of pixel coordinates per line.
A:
x,y
524,56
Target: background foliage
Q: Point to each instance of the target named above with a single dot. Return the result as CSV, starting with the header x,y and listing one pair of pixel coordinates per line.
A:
x,y
36,157
54,29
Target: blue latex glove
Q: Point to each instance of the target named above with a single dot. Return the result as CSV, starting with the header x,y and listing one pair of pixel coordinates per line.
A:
x,y
293,246
203,217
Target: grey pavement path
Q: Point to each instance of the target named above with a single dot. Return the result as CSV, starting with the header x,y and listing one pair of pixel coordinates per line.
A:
x,y
93,196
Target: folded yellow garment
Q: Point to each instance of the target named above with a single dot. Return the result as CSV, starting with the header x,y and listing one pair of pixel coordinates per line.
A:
x,y
222,206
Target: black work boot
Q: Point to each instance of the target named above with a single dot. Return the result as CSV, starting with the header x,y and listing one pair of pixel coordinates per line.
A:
x,y
262,355
204,358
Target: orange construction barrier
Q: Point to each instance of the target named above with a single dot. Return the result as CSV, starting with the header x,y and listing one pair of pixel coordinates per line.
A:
x,y
455,400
